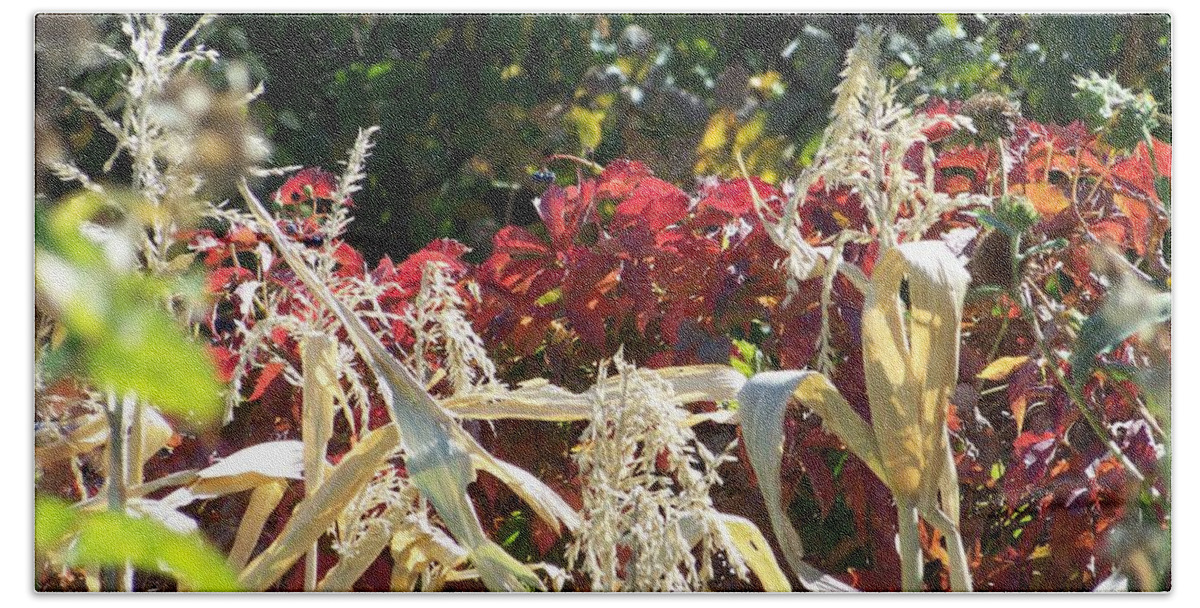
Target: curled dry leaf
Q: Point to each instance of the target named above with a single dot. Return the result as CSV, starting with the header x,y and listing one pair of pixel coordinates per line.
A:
x,y
911,367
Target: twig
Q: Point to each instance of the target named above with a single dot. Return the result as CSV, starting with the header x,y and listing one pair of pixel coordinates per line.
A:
x,y
593,165
1075,397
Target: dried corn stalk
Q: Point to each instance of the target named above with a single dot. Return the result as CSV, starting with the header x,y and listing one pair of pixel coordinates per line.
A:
x,y
438,453
911,365
319,359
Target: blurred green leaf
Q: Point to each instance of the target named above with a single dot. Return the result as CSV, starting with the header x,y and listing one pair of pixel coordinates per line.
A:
x,y
121,335
112,539
587,125
1129,308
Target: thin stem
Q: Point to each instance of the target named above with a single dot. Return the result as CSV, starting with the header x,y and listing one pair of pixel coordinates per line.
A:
x,y
112,578
593,165
1003,166
999,339
911,562
959,567
137,446
1076,397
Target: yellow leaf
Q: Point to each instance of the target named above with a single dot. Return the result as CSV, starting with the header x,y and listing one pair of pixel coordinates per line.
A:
x,y
587,125
753,546
749,133
1001,368
1047,198
715,134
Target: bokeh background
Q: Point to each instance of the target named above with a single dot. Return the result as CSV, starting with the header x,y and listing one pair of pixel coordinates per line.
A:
x,y
472,106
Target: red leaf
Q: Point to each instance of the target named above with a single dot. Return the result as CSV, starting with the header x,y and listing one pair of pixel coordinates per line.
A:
x,y
349,260
1135,175
446,251
620,177
729,200
225,360
654,203
517,241
943,128
307,185
269,372
222,278
1111,230
969,158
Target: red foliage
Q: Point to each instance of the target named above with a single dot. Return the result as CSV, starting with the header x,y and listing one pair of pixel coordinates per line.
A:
x,y
627,260
308,186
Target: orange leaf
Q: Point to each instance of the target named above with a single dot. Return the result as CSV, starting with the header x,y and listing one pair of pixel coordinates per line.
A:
x,y
1113,231
1047,198
1018,407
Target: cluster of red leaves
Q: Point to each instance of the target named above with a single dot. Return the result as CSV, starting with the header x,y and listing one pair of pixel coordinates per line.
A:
x,y
627,260
1040,488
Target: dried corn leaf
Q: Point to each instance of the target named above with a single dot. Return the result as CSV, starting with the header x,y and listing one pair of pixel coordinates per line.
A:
x,y
539,400
319,360
162,512
263,501
245,469
910,360
750,543
415,547
313,516
350,568
321,388
275,459
540,497
762,404
91,431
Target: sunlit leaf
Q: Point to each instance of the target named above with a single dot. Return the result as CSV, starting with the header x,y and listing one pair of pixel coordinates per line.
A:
x,y
1001,368
112,539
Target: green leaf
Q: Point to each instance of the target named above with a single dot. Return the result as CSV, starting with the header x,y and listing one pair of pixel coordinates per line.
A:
x,y
587,125
1162,187
550,297
144,352
116,322
112,539
1129,308
53,520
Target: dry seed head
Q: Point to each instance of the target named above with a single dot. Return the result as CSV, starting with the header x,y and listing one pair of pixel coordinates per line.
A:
x,y
993,114
645,490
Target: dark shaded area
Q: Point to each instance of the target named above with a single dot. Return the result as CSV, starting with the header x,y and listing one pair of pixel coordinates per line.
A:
x,y
471,106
